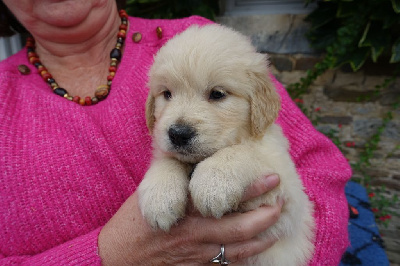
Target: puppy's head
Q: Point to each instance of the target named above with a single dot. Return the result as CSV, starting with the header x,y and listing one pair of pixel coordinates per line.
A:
x,y
209,89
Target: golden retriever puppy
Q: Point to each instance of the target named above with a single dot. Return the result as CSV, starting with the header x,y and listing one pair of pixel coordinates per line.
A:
x,y
211,112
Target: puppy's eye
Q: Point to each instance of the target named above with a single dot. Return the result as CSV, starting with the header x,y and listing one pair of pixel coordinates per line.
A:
x,y
167,94
217,94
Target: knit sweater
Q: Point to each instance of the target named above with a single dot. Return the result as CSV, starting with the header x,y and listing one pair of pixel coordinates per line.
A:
x,y
66,169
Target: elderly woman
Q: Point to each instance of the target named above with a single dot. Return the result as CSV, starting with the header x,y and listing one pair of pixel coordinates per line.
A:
x,y
74,147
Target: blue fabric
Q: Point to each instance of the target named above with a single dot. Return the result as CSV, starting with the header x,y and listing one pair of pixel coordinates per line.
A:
x,y
366,247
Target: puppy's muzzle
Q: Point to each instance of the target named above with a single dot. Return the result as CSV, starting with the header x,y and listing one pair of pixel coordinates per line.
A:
x,y
180,135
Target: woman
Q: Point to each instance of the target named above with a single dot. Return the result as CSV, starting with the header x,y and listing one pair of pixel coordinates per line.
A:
x,y
70,165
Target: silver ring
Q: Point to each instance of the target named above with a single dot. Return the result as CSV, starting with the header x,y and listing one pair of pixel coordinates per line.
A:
x,y
220,258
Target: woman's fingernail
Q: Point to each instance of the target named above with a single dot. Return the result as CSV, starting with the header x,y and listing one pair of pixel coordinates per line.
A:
x,y
271,181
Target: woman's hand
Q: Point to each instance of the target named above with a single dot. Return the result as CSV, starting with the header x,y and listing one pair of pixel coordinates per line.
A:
x,y
128,240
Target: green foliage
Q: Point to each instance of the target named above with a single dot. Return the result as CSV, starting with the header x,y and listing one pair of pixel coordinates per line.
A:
x,y
172,8
352,31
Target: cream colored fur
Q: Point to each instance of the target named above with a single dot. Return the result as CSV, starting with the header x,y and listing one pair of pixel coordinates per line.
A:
x,y
236,140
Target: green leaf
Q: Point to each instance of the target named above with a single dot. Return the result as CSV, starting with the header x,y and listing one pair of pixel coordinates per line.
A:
x,y
346,9
322,15
395,52
322,37
356,59
375,37
396,5
204,11
390,20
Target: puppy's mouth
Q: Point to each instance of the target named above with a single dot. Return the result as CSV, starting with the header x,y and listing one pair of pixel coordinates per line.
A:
x,y
183,143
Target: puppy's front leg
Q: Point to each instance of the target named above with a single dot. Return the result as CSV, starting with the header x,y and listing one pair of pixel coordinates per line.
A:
x,y
163,192
218,182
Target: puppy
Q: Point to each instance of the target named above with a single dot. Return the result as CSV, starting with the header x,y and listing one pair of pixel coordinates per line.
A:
x,y
211,112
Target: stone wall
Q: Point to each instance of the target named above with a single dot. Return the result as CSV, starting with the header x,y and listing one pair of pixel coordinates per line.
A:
x,y
340,100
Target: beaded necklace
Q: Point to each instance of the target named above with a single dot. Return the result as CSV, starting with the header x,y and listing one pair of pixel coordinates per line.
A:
x,y
103,90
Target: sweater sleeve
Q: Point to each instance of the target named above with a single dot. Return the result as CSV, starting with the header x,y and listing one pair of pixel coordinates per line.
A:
x,y
79,251
324,172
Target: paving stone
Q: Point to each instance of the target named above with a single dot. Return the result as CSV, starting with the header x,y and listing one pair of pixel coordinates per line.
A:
x,y
306,63
281,63
342,79
367,127
342,120
390,98
343,94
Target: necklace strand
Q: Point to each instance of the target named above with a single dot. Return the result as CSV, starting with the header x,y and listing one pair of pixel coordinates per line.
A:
x,y
103,90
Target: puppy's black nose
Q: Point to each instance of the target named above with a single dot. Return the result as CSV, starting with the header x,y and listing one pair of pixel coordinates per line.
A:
x,y
181,134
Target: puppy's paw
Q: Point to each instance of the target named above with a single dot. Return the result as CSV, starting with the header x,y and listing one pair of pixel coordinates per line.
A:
x,y
214,191
162,209
163,200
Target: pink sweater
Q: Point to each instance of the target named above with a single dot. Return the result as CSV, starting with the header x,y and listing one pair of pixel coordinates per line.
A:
x,y
66,169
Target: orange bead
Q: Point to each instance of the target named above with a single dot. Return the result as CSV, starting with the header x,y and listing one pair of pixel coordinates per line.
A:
x,y
34,60
32,54
82,101
46,76
30,44
41,68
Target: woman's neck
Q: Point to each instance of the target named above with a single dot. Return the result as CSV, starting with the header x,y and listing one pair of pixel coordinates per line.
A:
x,y
78,57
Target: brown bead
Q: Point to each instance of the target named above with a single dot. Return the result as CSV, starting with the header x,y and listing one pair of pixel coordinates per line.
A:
x,y
102,92
24,70
159,32
76,99
41,68
88,100
95,100
137,37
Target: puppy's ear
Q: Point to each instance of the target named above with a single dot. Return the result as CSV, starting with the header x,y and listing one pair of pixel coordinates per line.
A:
x,y
264,104
150,119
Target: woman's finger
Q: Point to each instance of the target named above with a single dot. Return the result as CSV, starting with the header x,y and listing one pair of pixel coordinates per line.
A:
x,y
238,251
261,186
236,227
